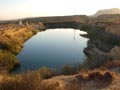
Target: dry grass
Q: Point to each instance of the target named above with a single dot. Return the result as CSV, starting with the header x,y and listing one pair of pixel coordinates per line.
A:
x,y
95,79
27,81
7,60
112,64
46,72
75,85
82,81
96,75
12,38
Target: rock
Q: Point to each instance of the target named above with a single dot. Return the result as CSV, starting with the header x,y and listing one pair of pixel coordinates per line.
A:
x,y
115,52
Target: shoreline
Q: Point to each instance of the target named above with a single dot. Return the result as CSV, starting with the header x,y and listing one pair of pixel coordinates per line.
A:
x,y
102,46
11,43
99,48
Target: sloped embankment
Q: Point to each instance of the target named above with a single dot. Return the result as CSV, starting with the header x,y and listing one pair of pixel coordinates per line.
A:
x,y
104,43
12,37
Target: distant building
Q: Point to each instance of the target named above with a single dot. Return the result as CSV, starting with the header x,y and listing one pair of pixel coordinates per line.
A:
x,y
27,23
20,23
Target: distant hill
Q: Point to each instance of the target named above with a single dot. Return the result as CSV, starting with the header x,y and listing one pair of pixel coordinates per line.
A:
x,y
107,11
57,19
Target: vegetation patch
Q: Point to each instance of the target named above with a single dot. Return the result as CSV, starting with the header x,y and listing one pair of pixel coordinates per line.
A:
x,y
27,81
112,64
46,72
7,60
96,75
11,43
71,69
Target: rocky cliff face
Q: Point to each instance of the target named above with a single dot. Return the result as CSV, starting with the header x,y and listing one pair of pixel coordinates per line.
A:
x,y
104,43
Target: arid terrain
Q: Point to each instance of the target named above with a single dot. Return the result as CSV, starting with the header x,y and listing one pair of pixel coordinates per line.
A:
x,y
101,70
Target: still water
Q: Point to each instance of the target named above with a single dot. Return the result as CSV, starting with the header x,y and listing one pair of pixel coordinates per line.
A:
x,y
53,48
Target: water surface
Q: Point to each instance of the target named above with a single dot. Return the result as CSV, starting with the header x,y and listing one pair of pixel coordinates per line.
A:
x,y
53,48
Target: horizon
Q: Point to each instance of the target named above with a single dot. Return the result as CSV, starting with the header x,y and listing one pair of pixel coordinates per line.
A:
x,y
15,9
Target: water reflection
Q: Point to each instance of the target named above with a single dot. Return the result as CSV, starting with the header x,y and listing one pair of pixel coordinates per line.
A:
x,y
53,48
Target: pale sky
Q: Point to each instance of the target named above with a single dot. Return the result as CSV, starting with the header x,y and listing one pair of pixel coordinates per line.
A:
x,y
13,9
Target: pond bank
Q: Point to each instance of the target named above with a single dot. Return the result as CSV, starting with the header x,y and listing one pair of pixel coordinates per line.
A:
x,y
54,48
103,46
12,39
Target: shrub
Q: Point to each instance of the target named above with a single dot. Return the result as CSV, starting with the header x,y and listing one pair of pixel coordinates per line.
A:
x,y
67,70
14,46
8,60
72,69
103,76
46,72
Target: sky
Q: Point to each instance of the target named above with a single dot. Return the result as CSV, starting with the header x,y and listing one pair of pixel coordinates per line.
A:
x,y
14,9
